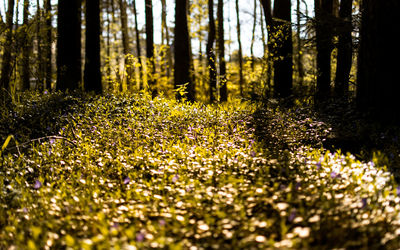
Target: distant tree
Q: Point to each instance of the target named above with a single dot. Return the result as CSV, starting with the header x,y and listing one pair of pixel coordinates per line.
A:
x,y
378,64
280,44
48,44
6,68
138,47
240,53
283,48
150,46
223,90
125,44
210,52
345,49
324,43
92,74
69,63
299,58
182,51
26,50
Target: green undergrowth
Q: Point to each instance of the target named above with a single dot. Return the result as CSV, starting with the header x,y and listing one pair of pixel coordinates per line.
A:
x,y
135,172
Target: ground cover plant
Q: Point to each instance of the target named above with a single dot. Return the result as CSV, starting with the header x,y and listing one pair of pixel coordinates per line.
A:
x,y
129,171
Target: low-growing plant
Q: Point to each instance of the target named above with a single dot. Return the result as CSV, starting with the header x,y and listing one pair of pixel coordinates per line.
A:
x,y
130,171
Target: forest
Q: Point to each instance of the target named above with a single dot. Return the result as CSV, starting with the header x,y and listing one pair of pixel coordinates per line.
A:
x,y
199,124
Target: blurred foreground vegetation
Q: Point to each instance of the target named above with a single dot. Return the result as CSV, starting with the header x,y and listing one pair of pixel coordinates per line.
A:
x,y
129,172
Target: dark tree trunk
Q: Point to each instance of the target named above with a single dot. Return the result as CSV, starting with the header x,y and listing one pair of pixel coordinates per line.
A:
x,y
6,68
240,54
69,65
125,44
210,52
150,46
48,45
345,49
223,90
253,35
182,51
138,47
283,50
92,74
323,29
26,48
165,33
299,58
40,57
378,87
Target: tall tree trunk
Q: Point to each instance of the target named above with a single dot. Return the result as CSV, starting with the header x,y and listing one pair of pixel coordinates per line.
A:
x,y
39,43
345,49
240,54
48,45
92,74
128,65
138,47
150,46
182,51
26,48
378,89
167,38
323,29
299,61
210,52
69,64
253,35
6,68
283,51
223,90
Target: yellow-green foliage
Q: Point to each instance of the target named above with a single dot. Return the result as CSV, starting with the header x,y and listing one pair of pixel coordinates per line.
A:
x,y
130,171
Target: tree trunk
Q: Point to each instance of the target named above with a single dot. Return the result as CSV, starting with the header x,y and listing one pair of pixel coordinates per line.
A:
x,y
26,48
92,74
182,51
150,46
283,51
6,68
378,87
128,65
253,35
323,29
223,90
166,37
48,45
138,47
210,52
345,49
299,58
240,54
69,73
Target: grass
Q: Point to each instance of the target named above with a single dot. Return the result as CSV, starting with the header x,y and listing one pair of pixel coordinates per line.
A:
x,y
130,172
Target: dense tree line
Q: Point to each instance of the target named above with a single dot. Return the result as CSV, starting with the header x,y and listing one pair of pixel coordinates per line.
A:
x,y
109,55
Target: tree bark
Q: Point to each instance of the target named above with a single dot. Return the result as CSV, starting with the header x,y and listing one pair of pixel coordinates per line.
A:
x,y
26,48
48,45
6,68
283,51
138,47
223,90
128,65
212,69
378,88
345,49
182,51
92,74
323,29
240,53
150,46
69,65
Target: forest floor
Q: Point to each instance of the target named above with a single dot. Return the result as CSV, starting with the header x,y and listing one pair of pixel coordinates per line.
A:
x,y
135,172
